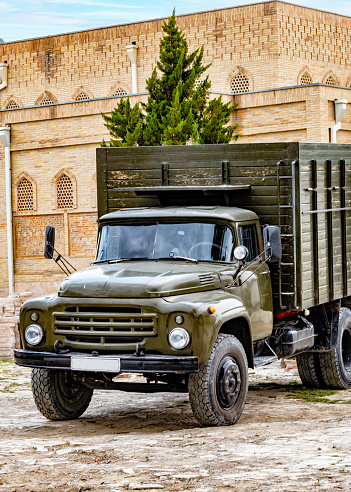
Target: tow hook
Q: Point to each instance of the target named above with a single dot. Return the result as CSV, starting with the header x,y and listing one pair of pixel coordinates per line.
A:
x,y
64,350
139,352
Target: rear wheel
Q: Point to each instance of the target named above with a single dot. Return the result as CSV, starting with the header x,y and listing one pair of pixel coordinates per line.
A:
x,y
309,369
58,396
336,364
218,391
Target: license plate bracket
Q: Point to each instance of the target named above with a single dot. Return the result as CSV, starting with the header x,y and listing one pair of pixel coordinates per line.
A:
x,y
95,364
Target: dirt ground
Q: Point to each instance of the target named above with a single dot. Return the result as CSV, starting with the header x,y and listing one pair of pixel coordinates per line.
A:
x,y
286,440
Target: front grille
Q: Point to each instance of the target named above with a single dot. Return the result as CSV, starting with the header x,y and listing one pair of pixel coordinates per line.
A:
x,y
104,325
107,340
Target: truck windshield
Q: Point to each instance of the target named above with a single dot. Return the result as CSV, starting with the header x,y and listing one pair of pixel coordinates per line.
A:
x,y
158,240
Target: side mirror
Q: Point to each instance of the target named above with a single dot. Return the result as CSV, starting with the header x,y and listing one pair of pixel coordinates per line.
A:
x,y
49,242
272,243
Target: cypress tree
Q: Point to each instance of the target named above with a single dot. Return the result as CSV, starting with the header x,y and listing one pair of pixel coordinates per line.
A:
x,y
176,111
125,125
213,129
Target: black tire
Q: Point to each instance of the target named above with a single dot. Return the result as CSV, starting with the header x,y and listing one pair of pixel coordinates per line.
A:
x,y
309,369
58,396
218,391
336,364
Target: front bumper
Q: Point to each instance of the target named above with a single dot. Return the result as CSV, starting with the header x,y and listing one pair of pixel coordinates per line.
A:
x,y
165,364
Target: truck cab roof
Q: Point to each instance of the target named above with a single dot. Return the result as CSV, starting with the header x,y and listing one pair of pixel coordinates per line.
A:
x,y
232,214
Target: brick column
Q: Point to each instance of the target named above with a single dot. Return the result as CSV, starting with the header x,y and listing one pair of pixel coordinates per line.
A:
x,y
9,323
317,123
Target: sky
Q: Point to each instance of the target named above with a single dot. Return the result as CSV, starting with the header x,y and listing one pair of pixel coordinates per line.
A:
x,y
25,19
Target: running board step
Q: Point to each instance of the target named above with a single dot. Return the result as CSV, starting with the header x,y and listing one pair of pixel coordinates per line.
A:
x,y
264,360
265,355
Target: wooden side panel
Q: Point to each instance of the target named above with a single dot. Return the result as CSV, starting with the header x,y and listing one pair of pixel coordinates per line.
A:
x,y
305,189
253,164
100,181
326,222
270,195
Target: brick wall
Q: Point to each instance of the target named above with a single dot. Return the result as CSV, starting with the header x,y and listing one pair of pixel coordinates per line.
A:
x,y
9,323
98,60
272,43
300,114
3,233
82,232
29,233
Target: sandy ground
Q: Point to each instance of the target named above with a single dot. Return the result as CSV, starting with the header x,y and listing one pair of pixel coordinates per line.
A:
x,y
153,442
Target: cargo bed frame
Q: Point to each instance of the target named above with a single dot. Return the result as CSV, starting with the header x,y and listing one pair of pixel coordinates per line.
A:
x,y
303,188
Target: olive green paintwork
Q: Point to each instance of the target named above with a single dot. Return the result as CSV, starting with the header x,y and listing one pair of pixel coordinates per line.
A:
x,y
303,188
160,289
226,214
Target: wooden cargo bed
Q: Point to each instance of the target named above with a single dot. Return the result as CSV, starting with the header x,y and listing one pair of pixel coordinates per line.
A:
x,y
303,188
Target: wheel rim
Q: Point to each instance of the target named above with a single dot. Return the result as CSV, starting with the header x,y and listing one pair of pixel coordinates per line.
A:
x,y
346,350
69,388
228,382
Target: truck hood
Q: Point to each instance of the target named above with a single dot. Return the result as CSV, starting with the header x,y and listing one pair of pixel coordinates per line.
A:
x,y
141,279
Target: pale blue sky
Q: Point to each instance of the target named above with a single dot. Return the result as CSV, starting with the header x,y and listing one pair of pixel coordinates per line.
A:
x,y
23,19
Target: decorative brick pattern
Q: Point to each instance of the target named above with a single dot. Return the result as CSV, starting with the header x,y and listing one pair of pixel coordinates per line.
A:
x,y
82,96
82,233
119,92
197,83
310,34
272,40
45,101
64,190
12,104
239,84
25,195
306,79
330,80
29,232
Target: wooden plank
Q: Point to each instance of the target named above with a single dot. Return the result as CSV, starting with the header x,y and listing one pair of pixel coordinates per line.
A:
x,y
199,172
126,174
101,168
116,204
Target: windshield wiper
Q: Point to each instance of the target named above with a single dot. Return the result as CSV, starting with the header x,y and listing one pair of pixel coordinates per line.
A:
x,y
178,258
119,260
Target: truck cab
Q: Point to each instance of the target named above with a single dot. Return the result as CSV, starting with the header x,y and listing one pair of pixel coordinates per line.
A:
x,y
165,257
165,283
210,259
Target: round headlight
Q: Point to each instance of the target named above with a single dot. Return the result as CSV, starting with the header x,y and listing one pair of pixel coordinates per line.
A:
x,y
179,338
34,334
241,253
179,319
34,316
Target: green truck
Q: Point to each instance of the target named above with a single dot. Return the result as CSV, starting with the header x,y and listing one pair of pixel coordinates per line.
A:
x,y
210,259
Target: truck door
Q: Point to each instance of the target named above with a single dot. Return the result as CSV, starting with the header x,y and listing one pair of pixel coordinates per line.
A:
x,y
262,309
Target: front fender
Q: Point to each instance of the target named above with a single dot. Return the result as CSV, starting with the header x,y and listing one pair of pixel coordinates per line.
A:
x,y
227,308
227,314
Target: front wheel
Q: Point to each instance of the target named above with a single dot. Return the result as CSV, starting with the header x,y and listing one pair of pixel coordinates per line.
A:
x,y
218,391
58,396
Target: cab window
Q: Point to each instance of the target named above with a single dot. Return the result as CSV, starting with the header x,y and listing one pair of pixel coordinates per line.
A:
x,y
248,238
